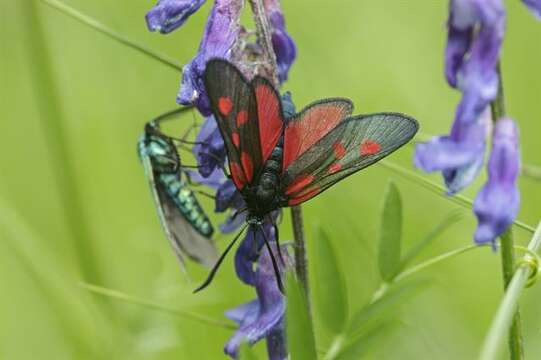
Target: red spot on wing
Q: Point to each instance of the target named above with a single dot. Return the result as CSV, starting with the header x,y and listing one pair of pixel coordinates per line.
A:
x,y
299,183
303,196
369,147
269,117
238,175
225,105
335,168
339,150
247,165
313,124
242,118
236,139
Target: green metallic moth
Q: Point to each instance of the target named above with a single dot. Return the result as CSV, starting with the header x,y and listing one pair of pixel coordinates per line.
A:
x,y
183,220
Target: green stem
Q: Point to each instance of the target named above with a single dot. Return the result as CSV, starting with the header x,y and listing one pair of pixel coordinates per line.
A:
x,y
516,351
440,190
507,312
114,294
107,31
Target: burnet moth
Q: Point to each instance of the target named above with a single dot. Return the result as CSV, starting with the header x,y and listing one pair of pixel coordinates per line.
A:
x,y
276,162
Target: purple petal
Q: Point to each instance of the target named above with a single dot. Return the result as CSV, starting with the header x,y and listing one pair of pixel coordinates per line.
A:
x,y
458,43
248,253
283,45
271,307
221,32
534,6
233,222
209,150
497,204
214,180
168,15
442,153
245,313
228,197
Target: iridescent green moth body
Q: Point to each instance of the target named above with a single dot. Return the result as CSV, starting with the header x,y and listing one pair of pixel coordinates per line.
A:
x,y
183,220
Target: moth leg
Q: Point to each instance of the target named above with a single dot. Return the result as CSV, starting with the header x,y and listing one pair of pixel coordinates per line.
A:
x,y
273,259
277,236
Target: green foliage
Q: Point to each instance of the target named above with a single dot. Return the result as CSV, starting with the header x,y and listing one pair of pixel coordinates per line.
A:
x,y
300,333
330,288
390,233
438,230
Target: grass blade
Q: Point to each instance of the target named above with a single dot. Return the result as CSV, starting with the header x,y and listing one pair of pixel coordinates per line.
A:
x,y
331,293
300,333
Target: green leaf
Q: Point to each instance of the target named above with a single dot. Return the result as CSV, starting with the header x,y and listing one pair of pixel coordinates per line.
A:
x,y
331,294
375,312
449,220
390,233
246,352
361,346
300,333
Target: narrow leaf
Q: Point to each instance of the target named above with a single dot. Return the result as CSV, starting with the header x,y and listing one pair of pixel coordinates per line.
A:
x,y
375,312
361,346
300,333
331,294
390,233
449,220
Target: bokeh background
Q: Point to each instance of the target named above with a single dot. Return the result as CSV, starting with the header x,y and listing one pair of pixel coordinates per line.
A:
x,y
75,206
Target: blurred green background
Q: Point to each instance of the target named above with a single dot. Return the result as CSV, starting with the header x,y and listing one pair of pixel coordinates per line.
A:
x,y
74,203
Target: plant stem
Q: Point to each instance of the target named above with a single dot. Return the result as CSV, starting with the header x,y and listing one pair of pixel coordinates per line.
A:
x,y
115,294
508,310
107,31
506,241
301,259
264,37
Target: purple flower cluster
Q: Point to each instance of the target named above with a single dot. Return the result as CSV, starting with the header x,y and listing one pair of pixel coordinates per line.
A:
x,y
224,38
475,35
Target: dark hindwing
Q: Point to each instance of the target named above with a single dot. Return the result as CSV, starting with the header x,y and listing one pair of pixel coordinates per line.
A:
x,y
184,238
250,134
357,142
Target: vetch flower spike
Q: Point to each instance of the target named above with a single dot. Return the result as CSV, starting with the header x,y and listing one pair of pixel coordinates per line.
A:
x,y
497,204
282,43
263,317
476,29
221,32
169,15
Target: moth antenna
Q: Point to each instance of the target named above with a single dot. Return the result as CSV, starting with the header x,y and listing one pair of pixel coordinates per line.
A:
x,y
204,193
219,262
273,259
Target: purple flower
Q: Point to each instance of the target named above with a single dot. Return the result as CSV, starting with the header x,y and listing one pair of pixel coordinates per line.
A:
x,y
476,29
282,43
210,149
221,33
248,253
168,15
534,6
497,204
263,317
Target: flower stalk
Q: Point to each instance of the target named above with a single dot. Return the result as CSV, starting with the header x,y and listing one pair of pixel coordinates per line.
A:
x,y
516,351
508,311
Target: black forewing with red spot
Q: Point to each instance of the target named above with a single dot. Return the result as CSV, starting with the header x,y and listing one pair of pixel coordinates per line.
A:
x,y
249,116
354,144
